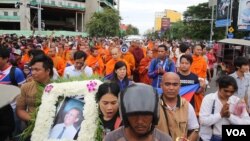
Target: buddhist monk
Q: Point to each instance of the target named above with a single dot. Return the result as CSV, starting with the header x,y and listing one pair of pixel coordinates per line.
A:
x,y
59,63
143,68
115,52
95,62
128,56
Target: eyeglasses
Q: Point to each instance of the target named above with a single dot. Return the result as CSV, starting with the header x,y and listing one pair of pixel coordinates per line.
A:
x,y
173,84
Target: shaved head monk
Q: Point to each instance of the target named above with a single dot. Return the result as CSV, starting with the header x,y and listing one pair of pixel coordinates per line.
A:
x,y
116,56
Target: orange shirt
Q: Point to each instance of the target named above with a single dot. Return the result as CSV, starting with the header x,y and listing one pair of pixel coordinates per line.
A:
x,y
199,66
111,64
91,61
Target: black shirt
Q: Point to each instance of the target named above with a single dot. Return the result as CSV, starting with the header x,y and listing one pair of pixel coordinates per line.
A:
x,y
188,79
109,125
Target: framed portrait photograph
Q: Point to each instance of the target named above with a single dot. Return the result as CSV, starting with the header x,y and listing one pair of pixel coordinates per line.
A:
x,y
68,119
68,111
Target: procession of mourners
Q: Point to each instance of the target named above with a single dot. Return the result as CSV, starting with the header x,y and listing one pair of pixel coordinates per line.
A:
x,y
151,89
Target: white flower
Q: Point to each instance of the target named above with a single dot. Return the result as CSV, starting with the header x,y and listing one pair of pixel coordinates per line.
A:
x,y
47,110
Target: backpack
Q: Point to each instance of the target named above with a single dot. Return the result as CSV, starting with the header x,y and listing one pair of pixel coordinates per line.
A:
x,y
12,76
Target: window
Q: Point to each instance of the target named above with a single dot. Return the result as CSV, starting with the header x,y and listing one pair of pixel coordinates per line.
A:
x,y
76,5
14,13
69,4
5,13
53,3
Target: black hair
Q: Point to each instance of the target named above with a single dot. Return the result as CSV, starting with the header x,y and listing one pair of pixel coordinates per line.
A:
x,y
163,46
4,52
239,62
35,52
92,49
225,81
183,47
46,60
80,54
247,2
118,65
107,87
188,57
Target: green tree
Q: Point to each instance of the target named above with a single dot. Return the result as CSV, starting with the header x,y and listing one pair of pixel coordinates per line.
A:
x,y
200,29
131,30
104,23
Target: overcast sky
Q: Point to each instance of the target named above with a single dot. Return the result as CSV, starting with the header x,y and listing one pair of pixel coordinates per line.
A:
x,y
141,13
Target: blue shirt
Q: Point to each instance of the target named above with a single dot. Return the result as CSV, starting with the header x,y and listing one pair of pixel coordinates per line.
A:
x,y
167,65
5,76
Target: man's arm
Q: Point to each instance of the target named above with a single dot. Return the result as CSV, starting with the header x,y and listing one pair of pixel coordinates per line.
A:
x,y
193,125
21,107
193,135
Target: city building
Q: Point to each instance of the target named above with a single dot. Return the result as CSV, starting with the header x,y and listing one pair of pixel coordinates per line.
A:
x,y
173,15
64,15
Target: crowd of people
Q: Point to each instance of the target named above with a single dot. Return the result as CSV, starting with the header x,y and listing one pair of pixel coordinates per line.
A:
x,y
146,76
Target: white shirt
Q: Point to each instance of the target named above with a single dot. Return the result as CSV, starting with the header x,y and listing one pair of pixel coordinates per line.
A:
x,y
207,118
71,71
69,132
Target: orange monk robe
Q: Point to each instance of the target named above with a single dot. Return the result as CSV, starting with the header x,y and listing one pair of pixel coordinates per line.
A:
x,y
155,52
46,50
143,70
144,49
129,57
25,59
111,64
150,45
59,64
102,52
60,53
91,61
107,56
199,66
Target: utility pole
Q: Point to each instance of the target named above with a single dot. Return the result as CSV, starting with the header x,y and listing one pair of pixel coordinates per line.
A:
x,y
118,5
212,25
39,17
229,14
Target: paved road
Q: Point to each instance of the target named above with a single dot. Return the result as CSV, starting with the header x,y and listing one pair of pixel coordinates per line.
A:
x,y
212,86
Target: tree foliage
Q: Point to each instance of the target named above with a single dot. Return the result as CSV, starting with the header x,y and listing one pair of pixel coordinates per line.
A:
x,y
131,30
103,24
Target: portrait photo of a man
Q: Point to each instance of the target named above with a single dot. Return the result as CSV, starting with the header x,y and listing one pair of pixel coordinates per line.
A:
x,y
68,120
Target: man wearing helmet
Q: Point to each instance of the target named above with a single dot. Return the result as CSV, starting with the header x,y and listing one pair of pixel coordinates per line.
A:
x,y
140,112
177,116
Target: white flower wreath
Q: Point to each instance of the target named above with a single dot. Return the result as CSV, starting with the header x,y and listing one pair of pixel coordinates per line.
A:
x,y
47,109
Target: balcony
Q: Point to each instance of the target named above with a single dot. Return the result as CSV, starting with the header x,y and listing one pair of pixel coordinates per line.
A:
x,y
9,15
61,4
109,3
